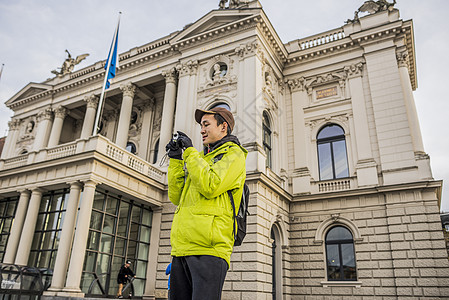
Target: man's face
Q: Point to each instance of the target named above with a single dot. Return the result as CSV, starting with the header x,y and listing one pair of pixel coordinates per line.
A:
x,y
210,131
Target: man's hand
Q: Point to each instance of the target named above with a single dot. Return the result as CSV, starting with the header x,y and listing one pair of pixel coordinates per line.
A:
x,y
173,149
184,141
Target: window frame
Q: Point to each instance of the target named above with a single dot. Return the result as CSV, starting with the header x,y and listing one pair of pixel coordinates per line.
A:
x,y
266,128
331,141
340,255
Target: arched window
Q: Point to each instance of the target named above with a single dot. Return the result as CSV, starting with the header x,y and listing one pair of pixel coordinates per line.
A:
x,y
332,159
276,263
340,254
224,105
267,137
131,147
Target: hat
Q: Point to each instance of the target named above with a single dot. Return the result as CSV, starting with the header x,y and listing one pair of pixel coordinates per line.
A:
x,y
128,262
226,114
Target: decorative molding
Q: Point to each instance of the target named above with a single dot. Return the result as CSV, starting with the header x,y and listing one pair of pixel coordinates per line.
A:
x,y
169,75
188,68
14,124
45,114
92,101
336,219
247,49
296,84
402,58
323,79
354,70
128,89
61,112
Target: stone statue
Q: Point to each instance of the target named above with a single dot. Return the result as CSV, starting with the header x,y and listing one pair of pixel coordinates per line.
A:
x,y
69,64
30,127
373,7
222,4
217,71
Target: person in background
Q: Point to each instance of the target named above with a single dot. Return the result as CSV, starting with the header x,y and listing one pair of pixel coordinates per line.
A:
x,y
167,272
123,276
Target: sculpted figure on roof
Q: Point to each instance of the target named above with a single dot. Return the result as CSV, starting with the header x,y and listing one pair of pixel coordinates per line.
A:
x,y
69,64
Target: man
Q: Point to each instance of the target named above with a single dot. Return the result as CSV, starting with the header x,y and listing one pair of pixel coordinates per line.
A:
x,y
123,276
202,235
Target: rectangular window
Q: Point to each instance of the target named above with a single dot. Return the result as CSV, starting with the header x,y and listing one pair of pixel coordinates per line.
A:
x,y
8,208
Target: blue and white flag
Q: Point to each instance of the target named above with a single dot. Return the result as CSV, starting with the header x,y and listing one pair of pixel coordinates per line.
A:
x,y
112,61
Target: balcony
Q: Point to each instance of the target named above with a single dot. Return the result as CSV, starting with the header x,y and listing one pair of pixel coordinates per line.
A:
x,y
98,144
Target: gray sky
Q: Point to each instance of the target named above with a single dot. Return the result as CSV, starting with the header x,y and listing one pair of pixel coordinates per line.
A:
x,y
35,34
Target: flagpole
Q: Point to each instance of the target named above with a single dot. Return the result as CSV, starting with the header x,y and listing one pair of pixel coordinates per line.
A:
x,y
100,103
1,71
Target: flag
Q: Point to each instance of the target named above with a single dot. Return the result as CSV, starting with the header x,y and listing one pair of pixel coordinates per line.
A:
x,y
112,61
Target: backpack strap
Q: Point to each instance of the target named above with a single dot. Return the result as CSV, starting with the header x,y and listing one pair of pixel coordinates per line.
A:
x,y
234,233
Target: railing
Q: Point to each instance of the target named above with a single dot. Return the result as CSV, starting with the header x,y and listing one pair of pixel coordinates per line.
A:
x,y
21,282
334,185
16,161
321,39
62,151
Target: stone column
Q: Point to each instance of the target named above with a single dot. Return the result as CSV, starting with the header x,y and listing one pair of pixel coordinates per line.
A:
x,y
150,286
366,166
44,120
412,115
145,133
29,226
65,243
60,114
11,139
168,110
17,226
72,286
89,118
129,91
300,98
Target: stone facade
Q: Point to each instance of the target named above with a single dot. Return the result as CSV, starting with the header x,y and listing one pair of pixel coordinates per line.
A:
x,y
334,143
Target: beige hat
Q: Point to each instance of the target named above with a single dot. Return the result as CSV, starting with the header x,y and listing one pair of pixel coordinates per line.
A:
x,y
226,114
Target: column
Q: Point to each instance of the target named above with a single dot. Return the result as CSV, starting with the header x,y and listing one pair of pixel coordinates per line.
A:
x,y
150,286
56,129
65,243
17,226
366,166
89,118
186,100
300,98
44,120
11,139
168,110
412,115
129,91
29,226
72,286
145,133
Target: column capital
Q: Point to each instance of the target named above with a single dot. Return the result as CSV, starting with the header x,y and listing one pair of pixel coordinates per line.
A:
x,y
45,114
247,49
296,84
24,191
188,68
92,101
128,89
170,75
61,112
402,58
14,124
354,70
37,190
75,184
90,183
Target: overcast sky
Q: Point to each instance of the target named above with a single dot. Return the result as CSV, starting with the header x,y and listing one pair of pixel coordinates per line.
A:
x,y
35,34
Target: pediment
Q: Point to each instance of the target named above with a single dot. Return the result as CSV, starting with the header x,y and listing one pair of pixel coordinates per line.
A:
x,y
214,19
29,90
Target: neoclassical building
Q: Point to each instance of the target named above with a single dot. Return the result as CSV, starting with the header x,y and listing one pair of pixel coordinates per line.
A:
x,y
343,203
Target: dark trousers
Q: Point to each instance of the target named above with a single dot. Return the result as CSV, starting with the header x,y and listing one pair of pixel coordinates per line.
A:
x,y
197,277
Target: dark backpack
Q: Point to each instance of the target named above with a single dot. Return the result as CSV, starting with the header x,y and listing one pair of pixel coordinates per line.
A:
x,y
242,213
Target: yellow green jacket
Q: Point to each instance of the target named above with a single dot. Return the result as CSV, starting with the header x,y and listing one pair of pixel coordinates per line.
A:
x,y
203,220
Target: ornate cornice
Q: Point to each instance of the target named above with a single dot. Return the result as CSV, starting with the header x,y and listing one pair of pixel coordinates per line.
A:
x,y
128,89
354,70
92,101
170,75
61,112
45,114
188,68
